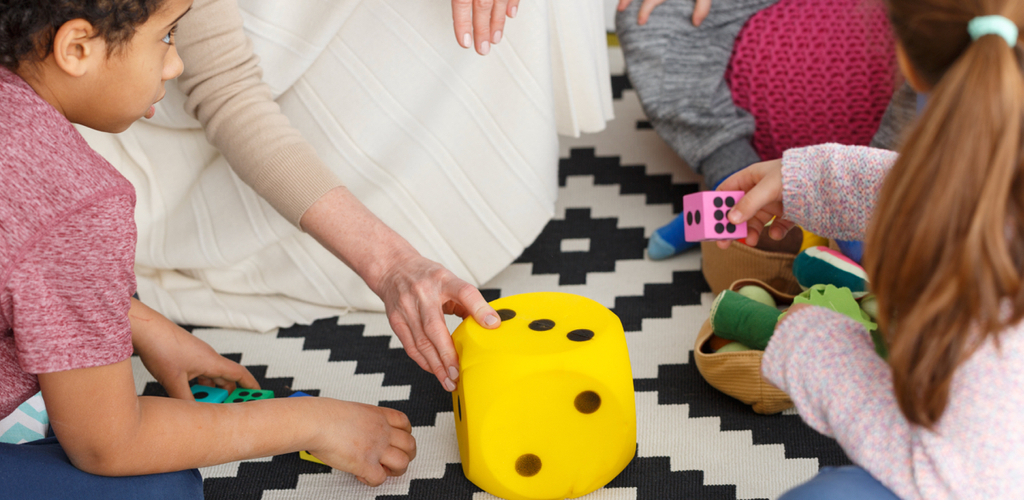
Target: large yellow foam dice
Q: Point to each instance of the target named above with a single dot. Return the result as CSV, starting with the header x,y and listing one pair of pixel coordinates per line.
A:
x,y
544,407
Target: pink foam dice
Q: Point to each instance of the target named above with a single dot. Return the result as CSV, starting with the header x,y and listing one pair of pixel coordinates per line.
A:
x,y
705,216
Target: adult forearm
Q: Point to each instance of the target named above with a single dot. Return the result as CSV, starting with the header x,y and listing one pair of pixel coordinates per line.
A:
x,y
343,225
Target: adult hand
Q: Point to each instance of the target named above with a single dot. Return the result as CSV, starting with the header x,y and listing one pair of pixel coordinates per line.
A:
x,y
762,183
700,10
173,356
417,293
481,22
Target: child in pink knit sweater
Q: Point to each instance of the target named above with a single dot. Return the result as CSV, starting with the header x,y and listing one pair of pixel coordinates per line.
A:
x,y
68,322
944,222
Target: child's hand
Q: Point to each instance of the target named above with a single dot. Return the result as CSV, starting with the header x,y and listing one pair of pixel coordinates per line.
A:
x,y
173,356
370,442
762,183
700,10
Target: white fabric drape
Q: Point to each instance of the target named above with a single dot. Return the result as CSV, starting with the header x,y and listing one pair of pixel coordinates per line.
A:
x,y
456,152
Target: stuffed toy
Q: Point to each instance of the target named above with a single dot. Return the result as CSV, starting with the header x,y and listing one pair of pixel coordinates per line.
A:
x,y
822,265
751,323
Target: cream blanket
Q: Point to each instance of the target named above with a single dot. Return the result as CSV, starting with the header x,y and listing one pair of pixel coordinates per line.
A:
x,y
456,152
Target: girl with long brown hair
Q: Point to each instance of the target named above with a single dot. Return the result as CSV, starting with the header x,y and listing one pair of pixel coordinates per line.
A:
x,y
944,227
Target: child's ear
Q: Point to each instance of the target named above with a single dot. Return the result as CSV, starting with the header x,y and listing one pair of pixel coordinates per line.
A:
x,y
76,47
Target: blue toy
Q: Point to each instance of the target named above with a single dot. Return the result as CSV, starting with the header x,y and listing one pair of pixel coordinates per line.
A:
x,y
204,394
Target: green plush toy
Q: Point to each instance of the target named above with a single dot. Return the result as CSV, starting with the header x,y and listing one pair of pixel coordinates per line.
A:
x,y
839,300
742,319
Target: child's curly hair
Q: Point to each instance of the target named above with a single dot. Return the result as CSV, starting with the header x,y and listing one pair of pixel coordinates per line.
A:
x,y
27,27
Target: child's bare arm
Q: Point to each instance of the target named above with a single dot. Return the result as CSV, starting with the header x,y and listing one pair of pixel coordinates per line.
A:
x,y
107,429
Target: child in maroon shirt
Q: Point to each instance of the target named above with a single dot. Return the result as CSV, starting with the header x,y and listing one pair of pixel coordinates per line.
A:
x,y
68,324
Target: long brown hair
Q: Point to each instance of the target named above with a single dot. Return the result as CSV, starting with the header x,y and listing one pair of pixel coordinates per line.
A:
x,y
945,249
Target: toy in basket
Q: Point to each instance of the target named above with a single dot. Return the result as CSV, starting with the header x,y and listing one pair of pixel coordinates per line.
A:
x,y
738,373
743,317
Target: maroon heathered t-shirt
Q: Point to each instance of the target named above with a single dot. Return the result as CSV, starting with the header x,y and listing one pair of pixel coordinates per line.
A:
x,y
67,247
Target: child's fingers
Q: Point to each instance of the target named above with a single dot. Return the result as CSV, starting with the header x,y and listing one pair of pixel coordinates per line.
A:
x,y
700,11
780,228
765,192
374,475
404,442
645,10
397,419
226,374
394,461
179,389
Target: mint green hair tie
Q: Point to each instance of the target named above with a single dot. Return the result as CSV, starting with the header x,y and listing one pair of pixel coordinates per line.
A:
x,y
993,25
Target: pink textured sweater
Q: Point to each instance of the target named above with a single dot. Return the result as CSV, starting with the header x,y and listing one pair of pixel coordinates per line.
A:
x,y
67,247
827,364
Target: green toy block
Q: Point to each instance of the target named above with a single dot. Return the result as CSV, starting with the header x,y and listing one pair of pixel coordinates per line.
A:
x,y
241,395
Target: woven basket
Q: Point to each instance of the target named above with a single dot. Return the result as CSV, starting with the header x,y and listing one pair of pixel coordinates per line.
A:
x,y
738,374
772,266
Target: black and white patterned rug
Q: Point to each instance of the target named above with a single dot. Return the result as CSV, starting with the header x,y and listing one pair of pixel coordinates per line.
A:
x,y
615,188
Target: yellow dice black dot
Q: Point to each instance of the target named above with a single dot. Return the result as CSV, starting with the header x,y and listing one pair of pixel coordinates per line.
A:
x,y
544,407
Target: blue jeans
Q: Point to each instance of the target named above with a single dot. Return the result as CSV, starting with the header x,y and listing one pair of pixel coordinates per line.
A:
x,y
41,469
840,483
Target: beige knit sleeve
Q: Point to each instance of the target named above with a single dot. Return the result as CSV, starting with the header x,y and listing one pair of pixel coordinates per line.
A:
x,y
222,80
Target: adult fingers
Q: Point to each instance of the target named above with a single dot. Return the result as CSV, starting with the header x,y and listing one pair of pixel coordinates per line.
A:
x,y
436,342
482,25
513,8
469,299
645,10
623,4
700,11
420,347
402,330
498,20
462,17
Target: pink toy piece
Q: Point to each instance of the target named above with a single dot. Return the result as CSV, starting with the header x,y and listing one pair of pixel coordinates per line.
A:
x,y
705,213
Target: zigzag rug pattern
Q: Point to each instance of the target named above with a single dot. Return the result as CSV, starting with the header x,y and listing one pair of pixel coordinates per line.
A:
x,y
616,188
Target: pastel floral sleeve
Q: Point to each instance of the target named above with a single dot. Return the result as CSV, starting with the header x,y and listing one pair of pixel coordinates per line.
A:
x,y
827,365
831,189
